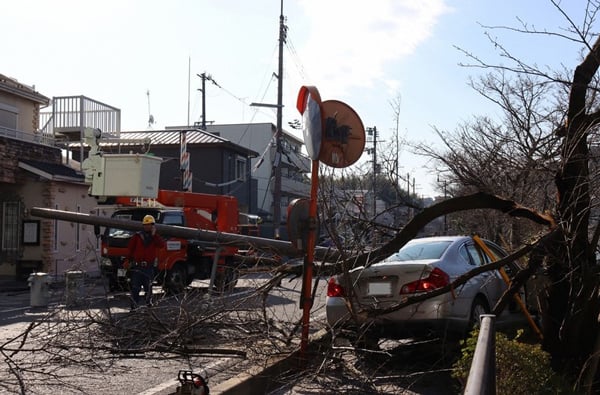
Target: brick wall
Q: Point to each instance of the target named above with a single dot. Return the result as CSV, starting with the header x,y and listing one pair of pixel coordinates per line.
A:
x,y
47,228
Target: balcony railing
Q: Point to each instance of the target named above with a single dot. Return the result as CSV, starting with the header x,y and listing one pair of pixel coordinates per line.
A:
x,y
294,187
38,138
71,114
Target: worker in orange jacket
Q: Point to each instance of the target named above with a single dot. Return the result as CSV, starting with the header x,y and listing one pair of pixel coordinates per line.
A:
x,y
143,260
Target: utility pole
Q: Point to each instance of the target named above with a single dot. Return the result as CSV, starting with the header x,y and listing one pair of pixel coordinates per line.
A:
x,y
278,158
373,132
203,90
276,172
445,216
408,199
205,77
445,198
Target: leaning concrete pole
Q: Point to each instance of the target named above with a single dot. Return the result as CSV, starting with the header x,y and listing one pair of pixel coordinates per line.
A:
x,y
282,247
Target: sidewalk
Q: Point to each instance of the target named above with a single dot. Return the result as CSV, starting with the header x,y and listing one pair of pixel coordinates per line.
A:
x,y
10,284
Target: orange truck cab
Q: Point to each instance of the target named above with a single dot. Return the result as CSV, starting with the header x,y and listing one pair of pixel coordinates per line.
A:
x,y
181,260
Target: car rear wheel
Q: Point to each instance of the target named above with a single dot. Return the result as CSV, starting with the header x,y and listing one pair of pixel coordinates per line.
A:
x,y
479,307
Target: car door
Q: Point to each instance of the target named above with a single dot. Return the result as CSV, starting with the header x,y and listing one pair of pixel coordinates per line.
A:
x,y
467,260
491,283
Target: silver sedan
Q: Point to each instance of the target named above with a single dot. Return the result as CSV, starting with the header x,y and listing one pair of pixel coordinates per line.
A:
x,y
422,265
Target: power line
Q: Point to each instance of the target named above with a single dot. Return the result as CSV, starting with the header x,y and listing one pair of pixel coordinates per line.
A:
x,y
296,59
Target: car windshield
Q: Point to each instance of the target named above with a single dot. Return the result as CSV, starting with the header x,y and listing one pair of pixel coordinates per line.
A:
x,y
420,251
130,215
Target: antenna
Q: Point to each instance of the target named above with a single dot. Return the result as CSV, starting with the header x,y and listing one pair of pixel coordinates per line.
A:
x,y
150,116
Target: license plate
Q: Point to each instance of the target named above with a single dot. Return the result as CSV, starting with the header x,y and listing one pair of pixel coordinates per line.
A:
x,y
379,288
121,272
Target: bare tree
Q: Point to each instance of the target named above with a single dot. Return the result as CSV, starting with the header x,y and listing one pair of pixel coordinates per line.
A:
x,y
550,126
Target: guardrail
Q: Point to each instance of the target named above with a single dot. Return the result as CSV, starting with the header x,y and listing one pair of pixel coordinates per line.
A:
x,y
27,136
482,376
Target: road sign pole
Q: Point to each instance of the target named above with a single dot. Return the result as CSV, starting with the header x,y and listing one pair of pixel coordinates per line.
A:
x,y
307,300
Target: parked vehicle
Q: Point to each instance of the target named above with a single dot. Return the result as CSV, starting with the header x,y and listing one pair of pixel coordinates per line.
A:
x,y
420,266
182,260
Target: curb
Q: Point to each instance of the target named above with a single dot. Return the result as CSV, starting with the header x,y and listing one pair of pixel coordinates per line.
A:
x,y
259,380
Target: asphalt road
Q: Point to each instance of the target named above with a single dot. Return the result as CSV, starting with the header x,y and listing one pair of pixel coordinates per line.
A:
x,y
142,375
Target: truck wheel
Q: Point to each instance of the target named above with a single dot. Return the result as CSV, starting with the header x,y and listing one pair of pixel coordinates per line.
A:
x,y
226,280
122,284
108,282
176,279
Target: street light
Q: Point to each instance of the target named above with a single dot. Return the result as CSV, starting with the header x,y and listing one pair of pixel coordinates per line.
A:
x,y
265,105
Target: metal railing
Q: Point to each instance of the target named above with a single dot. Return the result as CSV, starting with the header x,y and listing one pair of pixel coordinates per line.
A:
x,y
38,138
74,113
482,376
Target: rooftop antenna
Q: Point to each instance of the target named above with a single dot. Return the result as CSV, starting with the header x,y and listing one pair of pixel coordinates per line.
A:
x,y
150,116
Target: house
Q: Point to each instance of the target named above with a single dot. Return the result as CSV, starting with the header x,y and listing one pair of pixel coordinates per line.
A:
x,y
217,165
295,166
32,174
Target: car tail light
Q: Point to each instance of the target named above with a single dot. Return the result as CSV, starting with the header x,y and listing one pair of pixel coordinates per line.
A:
x,y
334,290
436,279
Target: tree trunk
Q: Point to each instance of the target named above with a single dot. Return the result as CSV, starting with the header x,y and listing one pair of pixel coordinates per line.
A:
x,y
570,324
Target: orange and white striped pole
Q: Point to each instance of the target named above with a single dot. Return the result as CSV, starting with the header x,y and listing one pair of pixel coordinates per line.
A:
x,y
184,162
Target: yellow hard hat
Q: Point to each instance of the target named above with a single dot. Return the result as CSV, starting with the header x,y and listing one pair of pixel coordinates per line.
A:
x,y
148,219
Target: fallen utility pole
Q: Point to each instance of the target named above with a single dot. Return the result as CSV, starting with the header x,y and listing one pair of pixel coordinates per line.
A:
x,y
282,247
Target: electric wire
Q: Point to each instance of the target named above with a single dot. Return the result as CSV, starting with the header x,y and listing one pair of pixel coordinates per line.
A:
x,y
296,59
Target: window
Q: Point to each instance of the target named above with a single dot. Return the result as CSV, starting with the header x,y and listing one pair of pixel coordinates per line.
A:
x,y
10,227
8,116
173,219
240,168
477,257
420,251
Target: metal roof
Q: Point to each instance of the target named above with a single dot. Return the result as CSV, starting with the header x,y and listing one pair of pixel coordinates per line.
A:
x,y
166,137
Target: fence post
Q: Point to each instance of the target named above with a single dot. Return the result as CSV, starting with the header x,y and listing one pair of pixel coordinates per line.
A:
x,y
482,376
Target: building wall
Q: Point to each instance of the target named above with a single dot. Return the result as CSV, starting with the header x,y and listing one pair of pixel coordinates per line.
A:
x,y
28,112
61,245
12,181
66,245
258,137
211,169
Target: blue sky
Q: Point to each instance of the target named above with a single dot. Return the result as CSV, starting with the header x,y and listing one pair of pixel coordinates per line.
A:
x,y
363,53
